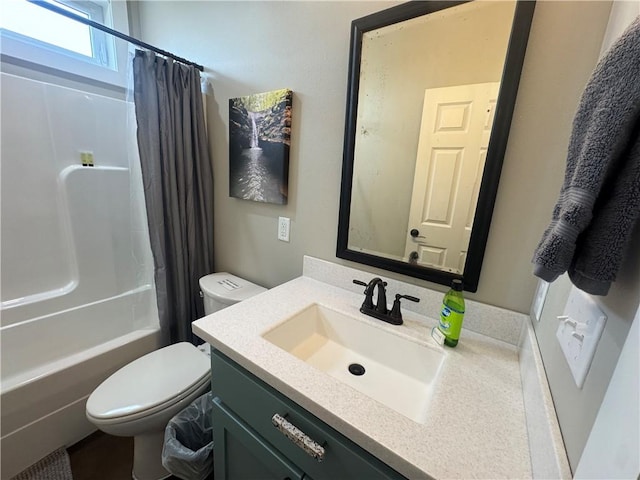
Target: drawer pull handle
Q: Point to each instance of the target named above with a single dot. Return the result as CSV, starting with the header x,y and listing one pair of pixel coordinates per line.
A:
x,y
297,436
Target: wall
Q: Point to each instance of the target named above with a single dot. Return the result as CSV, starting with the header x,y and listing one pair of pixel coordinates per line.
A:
x,y
78,301
259,46
256,47
90,217
577,408
614,442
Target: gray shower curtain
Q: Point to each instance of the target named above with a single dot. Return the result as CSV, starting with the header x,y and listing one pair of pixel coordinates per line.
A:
x,y
178,186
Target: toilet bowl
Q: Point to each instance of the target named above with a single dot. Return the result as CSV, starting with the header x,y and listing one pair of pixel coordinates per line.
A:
x,y
139,399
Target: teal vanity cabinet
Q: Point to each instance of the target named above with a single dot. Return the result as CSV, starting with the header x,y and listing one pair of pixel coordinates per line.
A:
x,y
260,434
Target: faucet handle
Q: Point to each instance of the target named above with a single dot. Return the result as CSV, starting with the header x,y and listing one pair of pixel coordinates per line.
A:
x,y
368,299
365,284
396,314
408,297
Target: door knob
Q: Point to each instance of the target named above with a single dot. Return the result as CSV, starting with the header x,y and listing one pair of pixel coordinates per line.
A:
x,y
415,233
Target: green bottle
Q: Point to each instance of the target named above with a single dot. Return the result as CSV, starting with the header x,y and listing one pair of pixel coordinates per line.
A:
x,y
452,314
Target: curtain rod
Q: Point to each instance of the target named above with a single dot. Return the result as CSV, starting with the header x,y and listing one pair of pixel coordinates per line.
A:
x,y
111,31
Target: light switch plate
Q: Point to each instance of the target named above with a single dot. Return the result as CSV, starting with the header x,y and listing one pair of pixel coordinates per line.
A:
x,y
579,332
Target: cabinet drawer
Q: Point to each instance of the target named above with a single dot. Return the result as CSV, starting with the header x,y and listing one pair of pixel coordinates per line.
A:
x,y
256,403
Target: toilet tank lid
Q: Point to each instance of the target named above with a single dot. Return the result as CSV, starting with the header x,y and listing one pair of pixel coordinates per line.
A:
x,y
227,287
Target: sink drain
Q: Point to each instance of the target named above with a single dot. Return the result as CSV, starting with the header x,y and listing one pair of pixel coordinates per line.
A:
x,y
356,369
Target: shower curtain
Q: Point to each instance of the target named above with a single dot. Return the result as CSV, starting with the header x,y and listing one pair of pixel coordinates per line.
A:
x,y
178,186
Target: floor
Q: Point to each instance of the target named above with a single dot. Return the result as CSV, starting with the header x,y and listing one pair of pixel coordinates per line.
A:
x,y
102,457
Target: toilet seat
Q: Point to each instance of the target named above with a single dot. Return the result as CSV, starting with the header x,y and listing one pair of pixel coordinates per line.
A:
x,y
150,384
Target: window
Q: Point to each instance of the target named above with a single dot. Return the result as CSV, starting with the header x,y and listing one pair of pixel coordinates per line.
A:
x,y
39,36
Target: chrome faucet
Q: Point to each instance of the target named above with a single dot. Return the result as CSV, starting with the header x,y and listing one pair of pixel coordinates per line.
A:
x,y
380,310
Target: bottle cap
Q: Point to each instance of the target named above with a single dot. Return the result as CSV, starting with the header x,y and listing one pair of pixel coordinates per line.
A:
x,y
457,285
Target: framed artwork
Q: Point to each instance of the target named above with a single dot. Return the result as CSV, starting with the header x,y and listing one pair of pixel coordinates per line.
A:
x,y
259,142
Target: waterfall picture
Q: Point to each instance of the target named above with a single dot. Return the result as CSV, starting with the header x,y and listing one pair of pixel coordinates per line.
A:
x,y
259,142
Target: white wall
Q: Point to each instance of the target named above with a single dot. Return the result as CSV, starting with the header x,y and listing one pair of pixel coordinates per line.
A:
x,y
71,235
76,266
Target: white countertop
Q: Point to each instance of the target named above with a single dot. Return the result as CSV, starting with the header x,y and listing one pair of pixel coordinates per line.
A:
x,y
476,425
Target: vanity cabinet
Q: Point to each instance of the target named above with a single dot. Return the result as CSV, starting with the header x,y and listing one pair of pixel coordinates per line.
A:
x,y
249,418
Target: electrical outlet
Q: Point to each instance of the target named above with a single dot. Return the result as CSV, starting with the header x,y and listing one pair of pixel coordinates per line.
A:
x,y
283,228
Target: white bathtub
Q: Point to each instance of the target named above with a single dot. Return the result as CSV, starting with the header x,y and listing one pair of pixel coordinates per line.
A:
x,y
51,364
77,299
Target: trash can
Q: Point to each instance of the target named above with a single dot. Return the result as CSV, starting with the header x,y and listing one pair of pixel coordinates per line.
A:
x,y
188,441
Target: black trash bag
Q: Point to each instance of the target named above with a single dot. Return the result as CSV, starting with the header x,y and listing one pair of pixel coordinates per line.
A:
x,y
188,441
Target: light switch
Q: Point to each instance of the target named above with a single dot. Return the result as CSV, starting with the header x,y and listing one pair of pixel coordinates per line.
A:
x,y
579,332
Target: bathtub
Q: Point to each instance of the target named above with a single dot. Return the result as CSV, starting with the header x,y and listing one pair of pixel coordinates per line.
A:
x,y
51,364
77,299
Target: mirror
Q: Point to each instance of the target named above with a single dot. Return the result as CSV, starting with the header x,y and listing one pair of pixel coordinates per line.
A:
x,y
431,92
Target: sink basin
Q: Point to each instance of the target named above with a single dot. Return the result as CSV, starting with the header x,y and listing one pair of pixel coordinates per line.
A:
x,y
398,372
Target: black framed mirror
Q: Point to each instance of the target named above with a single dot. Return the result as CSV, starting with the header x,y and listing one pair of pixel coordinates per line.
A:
x,y
431,92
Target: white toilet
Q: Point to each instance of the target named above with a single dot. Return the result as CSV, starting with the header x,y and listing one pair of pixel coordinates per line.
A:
x,y
139,399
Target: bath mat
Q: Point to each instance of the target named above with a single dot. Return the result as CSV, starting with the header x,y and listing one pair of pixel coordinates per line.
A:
x,y
55,466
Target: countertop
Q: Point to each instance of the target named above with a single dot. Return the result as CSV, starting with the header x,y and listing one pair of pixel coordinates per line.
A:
x,y
476,426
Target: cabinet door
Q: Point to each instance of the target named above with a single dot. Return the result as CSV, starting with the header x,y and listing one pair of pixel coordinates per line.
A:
x,y
255,403
240,454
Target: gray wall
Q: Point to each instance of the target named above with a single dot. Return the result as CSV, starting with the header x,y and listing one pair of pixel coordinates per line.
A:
x,y
259,46
577,408
256,46
614,442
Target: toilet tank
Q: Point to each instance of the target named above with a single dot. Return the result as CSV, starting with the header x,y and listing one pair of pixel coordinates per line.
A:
x,y
219,290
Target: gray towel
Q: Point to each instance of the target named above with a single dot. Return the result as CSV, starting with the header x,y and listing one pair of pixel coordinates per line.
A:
x,y
598,204
601,247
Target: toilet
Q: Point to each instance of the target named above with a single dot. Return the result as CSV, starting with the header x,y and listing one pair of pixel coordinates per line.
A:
x,y
139,399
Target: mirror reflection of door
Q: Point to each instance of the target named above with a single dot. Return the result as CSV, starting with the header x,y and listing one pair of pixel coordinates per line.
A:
x,y
454,136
